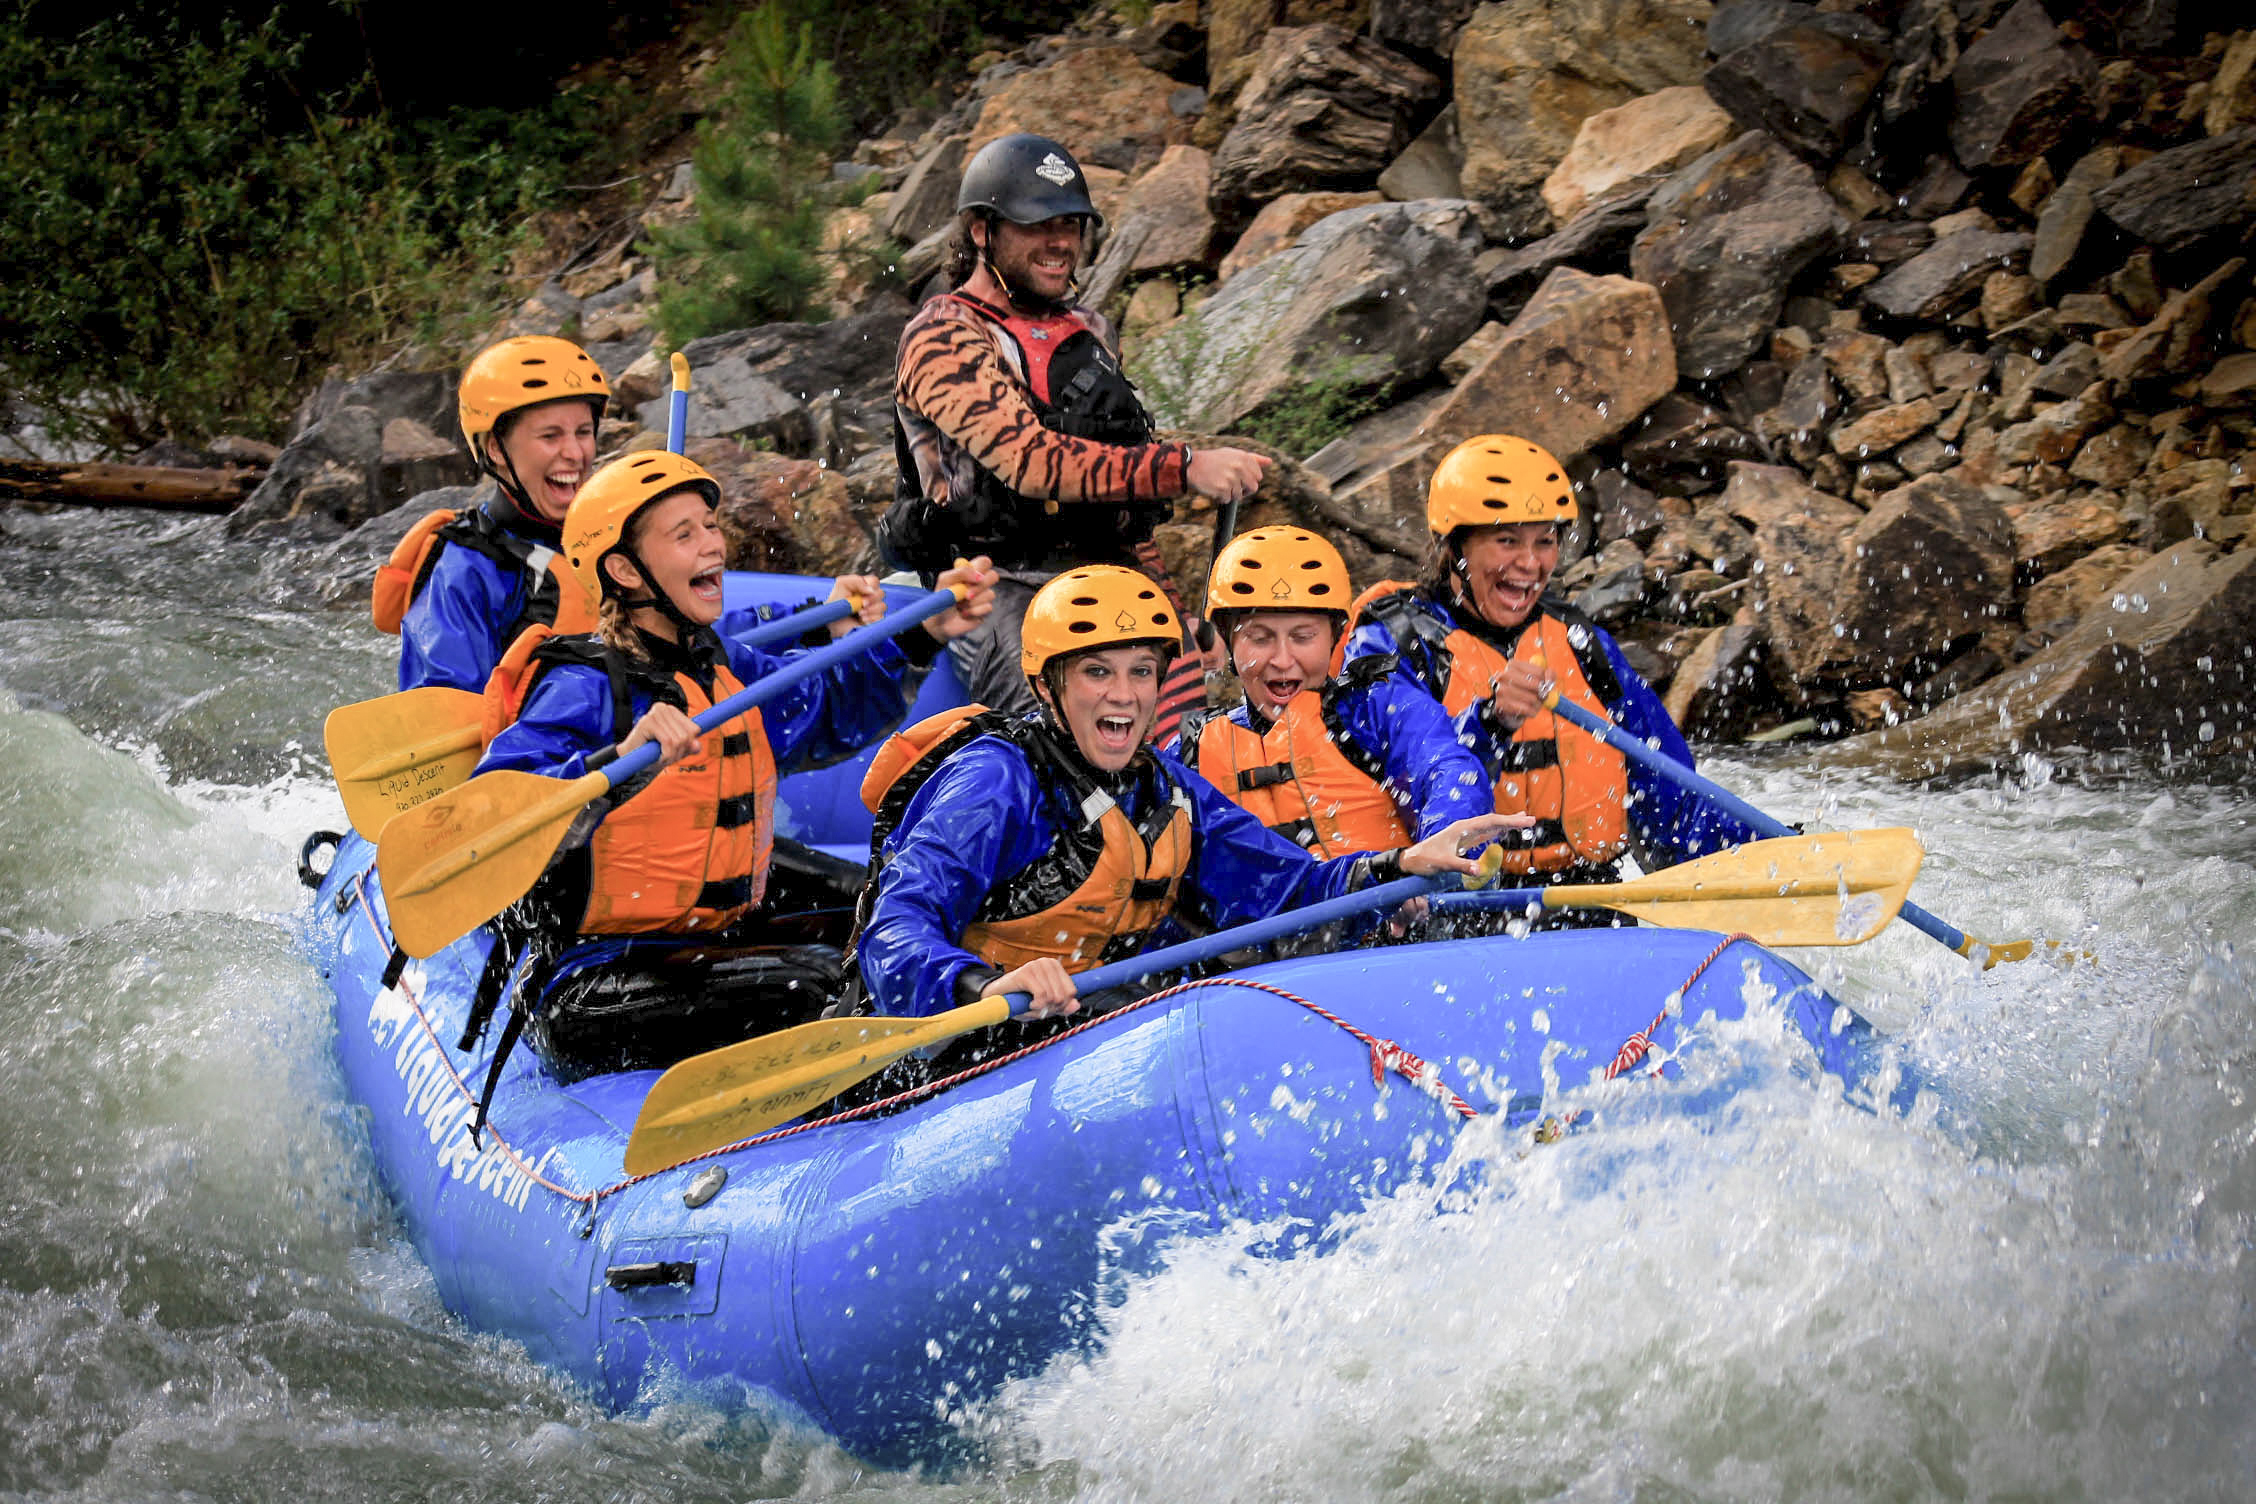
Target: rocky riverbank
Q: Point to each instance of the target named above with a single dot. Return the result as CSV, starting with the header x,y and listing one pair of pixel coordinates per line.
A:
x,y
1904,353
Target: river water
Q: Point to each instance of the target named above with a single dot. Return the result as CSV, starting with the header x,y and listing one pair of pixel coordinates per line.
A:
x,y
2037,1284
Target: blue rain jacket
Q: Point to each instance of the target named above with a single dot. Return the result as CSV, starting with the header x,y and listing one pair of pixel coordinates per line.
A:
x,y
1671,824
983,817
567,717
465,616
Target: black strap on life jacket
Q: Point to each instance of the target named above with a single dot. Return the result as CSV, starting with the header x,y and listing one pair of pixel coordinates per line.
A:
x,y
1079,390
481,531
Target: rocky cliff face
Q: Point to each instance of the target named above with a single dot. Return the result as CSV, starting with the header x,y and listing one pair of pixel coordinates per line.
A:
x,y
1886,341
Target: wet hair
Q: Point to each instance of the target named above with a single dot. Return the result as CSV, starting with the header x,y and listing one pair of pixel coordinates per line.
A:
x,y
963,252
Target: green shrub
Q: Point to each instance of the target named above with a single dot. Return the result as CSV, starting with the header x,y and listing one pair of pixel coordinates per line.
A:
x,y
189,239
751,254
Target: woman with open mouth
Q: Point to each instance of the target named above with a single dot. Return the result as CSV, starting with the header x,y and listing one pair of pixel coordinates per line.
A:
x,y
681,854
1014,852
1365,761
1479,634
460,587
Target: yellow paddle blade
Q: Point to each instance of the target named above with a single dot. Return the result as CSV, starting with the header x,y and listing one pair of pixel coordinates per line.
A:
x,y
452,863
724,1095
397,751
1836,888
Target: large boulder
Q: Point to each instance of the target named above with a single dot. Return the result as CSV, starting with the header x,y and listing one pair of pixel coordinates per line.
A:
x,y
1948,273
1164,224
926,200
769,382
1101,102
1584,359
1723,239
2159,668
1235,28
2177,197
1529,72
1280,223
1803,77
1370,298
348,467
1323,109
1652,134
2021,88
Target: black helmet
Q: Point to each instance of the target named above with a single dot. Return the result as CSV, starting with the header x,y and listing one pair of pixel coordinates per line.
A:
x,y
1026,179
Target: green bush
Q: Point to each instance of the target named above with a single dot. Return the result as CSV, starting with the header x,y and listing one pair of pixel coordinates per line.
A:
x,y
190,239
752,253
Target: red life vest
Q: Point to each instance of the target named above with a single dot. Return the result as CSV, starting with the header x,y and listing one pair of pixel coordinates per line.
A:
x,y
689,850
1094,895
1304,777
1575,786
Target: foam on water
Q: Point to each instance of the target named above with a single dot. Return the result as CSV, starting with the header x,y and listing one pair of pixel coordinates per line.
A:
x,y
1734,1286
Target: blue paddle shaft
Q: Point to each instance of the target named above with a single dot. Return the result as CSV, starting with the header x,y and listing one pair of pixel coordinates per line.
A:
x,y
1259,932
784,627
1684,778
677,421
856,642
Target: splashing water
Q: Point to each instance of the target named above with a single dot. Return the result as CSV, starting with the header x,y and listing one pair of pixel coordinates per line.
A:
x,y
1735,1285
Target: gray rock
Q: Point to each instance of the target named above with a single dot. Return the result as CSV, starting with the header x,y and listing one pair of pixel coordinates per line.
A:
x,y
1724,685
1949,272
1431,166
1582,361
326,475
1596,240
427,397
1427,26
926,199
2021,88
1624,509
1682,447
2160,669
2176,197
1323,109
1367,298
2068,210
1805,83
1723,239
1616,588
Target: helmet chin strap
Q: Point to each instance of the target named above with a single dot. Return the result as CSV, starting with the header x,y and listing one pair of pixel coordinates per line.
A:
x,y
654,599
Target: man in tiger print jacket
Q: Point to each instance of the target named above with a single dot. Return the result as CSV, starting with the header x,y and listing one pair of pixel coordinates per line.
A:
x,y
1017,434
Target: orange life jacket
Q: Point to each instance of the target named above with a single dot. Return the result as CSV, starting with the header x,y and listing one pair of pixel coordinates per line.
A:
x,y
688,850
551,596
1305,777
1575,785
1093,897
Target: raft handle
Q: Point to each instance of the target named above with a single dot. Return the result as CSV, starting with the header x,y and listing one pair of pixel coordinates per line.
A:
x,y
309,874
657,1272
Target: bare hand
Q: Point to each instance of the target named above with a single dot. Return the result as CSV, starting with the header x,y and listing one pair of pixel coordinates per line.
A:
x,y
1045,980
1447,849
1516,694
675,733
978,577
1225,474
868,597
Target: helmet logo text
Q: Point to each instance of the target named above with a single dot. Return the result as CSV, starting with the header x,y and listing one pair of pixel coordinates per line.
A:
x,y
1056,169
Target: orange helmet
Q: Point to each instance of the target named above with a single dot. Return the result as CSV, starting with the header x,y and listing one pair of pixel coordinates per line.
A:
x,y
1095,606
1278,569
1498,479
605,505
524,372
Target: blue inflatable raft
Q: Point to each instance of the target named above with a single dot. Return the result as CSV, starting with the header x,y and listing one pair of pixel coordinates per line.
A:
x,y
873,1276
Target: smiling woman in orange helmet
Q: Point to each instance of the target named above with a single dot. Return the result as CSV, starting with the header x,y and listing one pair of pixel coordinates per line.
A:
x,y
682,851
1016,852
1359,762
459,588
1483,637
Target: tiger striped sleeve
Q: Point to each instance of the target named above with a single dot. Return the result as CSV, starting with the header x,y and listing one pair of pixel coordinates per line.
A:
x,y
952,375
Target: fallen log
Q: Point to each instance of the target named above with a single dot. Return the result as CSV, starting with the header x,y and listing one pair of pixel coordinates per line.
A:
x,y
102,485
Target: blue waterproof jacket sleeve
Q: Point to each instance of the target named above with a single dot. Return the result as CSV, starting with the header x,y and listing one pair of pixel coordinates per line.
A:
x,y
1432,775
983,817
450,634
567,717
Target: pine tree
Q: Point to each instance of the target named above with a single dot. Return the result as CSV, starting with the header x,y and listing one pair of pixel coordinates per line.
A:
x,y
752,253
